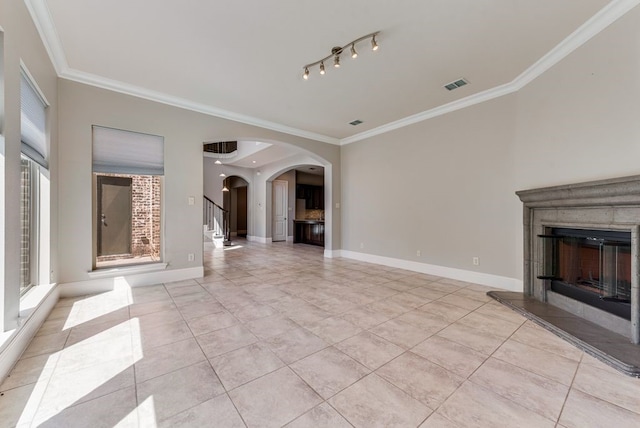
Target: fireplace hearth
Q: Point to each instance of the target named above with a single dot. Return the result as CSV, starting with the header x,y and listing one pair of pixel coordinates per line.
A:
x,y
582,252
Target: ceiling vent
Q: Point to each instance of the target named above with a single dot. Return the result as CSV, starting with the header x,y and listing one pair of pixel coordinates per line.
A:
x,y
355,122
455,85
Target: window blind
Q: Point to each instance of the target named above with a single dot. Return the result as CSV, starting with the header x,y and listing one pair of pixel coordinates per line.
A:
x,y
126,152
32,122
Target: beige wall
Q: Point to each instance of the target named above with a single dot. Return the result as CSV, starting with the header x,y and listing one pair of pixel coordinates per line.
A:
x,y
312,179
446,185
21,43
581,120
440,186
184,131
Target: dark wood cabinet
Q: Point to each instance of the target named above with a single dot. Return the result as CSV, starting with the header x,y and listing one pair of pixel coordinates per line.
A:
x,y
313,196
309,232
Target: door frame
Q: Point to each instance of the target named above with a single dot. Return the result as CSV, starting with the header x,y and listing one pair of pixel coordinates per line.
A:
x,y
285,204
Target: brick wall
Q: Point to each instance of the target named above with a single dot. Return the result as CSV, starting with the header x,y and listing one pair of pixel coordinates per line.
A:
x,y
145,230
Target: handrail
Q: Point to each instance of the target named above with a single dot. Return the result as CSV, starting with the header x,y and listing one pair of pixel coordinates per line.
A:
x,y
204,196
216,219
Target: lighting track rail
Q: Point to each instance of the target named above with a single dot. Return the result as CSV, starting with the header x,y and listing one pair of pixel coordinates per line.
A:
x,y
337,51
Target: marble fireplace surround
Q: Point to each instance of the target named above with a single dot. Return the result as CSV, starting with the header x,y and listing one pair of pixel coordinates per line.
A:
x,y
612,204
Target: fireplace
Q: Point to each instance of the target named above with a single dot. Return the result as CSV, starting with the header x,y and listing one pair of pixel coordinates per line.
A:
x,y
582,251
590,266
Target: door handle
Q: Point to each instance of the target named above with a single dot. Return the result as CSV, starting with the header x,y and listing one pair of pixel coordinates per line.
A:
x,y
104,220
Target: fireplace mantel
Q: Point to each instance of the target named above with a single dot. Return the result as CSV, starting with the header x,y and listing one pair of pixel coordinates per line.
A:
x,y
612,204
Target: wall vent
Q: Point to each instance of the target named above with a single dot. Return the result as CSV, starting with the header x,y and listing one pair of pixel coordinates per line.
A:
x,y
455,85
355,122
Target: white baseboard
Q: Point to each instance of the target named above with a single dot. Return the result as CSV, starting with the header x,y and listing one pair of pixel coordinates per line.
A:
x,y
260,239
101,285
495,281
14,342
332,254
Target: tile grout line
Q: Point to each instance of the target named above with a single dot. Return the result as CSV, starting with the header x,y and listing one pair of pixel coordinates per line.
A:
x,y
566,398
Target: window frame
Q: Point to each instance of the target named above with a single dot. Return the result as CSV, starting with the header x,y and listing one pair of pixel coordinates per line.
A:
x,y
34,147
122,262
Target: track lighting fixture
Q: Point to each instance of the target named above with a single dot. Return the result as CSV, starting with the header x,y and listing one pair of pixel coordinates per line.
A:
x,y
336,51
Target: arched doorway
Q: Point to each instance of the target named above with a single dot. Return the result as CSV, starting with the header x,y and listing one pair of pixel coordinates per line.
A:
x,y
303,210
259,169
235,202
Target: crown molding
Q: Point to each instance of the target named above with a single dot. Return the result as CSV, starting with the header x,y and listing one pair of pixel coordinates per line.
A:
x,y
43,21
161,97
601,20
478,98
598,22
593,26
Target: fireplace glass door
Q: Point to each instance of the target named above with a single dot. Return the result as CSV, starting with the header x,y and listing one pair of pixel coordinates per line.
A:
x,y
592,266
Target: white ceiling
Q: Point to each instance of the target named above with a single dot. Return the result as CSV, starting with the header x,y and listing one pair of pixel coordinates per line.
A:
x,y
243,59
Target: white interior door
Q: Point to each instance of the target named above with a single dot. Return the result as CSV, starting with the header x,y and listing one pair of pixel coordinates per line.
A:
x,y
280,203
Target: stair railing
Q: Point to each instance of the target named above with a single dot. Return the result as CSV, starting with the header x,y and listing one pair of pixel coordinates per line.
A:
x,y
216,218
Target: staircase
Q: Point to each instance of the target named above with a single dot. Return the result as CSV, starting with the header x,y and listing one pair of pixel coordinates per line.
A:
x,y
216,224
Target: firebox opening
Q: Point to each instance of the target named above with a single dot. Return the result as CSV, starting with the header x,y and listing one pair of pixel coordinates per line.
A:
x,y
592,266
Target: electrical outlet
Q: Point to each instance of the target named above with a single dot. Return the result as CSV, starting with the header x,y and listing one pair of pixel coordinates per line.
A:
x,y
476,261
191,257
418,253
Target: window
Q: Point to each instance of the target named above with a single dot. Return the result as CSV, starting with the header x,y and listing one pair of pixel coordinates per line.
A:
x,y
128,168
32,160
29,210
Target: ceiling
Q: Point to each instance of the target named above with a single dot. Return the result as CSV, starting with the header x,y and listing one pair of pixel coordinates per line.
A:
x,y
244,60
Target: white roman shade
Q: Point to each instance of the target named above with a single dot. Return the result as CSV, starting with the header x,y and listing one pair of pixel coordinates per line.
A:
x,y
32,122
125,152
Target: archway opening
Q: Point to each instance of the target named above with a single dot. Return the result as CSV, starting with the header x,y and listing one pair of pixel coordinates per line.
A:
x,y
298,206
259,164
235,202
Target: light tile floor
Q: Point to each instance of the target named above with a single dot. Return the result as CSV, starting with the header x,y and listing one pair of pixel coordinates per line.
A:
x,y
277,335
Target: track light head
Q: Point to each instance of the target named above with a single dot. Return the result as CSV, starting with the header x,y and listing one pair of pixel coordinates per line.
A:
x,y
321,67
354,54
305,76
336,51
374,44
